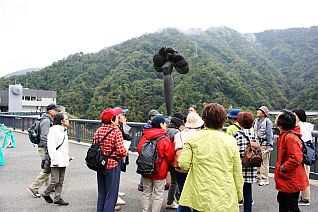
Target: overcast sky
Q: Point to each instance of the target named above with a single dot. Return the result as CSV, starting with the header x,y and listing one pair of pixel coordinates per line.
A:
x,y
36,33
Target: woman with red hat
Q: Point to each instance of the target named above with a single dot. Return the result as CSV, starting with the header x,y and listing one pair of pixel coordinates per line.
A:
x,y
112,145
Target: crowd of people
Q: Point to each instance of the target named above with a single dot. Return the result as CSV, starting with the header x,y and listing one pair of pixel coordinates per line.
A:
x,y
200,163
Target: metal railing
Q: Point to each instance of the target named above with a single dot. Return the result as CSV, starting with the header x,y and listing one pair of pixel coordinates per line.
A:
x,y
82,130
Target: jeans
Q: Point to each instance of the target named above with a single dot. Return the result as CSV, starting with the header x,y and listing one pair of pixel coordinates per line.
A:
x,y
248,199
108,186
288,202
181,178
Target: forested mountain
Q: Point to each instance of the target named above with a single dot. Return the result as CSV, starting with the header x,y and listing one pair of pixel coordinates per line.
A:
x,y
277,68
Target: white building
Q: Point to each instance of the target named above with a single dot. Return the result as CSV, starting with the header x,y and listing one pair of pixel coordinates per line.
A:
x,y
18,99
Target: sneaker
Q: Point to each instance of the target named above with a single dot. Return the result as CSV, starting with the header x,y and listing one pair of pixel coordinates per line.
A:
x,y
120,201
304,202
174,205
262,183
34,193
117,207
121,194
140,187
48,199
60,202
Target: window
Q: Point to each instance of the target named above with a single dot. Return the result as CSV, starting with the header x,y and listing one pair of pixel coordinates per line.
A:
x,y
38,99
33,98
27,98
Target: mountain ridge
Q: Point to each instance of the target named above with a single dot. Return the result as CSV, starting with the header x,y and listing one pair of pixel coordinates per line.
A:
x,y
232,68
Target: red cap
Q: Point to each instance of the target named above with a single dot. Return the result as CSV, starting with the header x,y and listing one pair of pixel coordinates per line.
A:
x,y
110,113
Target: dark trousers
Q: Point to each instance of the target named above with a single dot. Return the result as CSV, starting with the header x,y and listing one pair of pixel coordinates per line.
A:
x,y
288,202
181,178
248,199
173,186
108,186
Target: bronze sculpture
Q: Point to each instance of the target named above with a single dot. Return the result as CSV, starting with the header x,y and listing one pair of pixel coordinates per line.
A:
x,y
164,61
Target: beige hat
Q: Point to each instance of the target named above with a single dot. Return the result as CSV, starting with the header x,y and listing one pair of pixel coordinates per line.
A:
x,y
194,120
264,109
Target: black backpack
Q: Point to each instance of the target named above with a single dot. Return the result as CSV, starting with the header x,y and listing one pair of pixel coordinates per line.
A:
x,y
34,131
95,159
148,159
309,151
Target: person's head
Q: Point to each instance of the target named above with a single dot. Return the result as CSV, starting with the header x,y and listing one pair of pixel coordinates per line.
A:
x,y
194,121
262,112
152,113
122,116
110,116
286,120
51,110
60,108
300,115
245,119
232,115
177,119
61,119
214,116
193,108
158,121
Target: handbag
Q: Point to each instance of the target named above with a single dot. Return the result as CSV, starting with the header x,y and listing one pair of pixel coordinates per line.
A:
x,y
46,162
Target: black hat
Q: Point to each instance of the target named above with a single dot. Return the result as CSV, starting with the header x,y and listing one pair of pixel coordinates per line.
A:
x,y
177,119
157,120
51,107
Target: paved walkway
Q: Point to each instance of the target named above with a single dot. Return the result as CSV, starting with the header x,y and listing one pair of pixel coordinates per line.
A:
x,y
80,187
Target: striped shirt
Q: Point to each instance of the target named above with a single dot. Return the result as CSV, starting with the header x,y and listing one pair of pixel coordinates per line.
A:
x,y
114,141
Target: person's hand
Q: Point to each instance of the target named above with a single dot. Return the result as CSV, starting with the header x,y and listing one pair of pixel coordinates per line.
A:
x,y
269,148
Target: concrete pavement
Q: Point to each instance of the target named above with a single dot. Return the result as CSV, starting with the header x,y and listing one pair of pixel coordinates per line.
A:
x,y
80,186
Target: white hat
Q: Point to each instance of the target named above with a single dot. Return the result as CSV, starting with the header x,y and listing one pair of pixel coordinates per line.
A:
x,y
194,120
264,109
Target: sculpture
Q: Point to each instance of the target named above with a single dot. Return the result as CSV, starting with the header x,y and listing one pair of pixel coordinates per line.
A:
x,y
164,61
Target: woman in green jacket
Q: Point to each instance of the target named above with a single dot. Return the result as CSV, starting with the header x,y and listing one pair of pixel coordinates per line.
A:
x,y
214,181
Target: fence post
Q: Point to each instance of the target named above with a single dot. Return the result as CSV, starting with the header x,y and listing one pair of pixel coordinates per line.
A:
x,y
78,131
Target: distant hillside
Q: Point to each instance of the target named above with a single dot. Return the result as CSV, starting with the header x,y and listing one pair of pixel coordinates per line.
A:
x,y
275,68
17,73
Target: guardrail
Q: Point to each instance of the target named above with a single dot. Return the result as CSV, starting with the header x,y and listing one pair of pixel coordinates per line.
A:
x,y
82,130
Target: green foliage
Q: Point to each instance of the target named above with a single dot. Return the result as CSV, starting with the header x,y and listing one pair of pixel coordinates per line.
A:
x,y
276,68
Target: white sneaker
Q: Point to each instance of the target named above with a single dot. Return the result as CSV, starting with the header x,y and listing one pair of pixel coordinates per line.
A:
x,y
262,183
120,201
174,205
121,194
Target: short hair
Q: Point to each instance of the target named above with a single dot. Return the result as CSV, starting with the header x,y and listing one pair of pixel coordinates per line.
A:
x,y
286,120
245,119
59,118
301,114
214,116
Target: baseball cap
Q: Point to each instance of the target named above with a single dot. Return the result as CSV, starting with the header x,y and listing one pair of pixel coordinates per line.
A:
x,y
51,107
153,113
110,113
